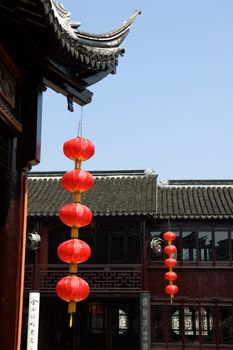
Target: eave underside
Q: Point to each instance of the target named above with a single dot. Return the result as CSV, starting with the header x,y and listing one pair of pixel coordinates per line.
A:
x,y
61,52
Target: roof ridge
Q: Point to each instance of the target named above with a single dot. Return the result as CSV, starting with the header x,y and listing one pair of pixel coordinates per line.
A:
x,y
197,186
196,182
113,173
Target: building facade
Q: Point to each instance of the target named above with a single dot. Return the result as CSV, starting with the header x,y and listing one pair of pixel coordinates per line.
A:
x,y
127,306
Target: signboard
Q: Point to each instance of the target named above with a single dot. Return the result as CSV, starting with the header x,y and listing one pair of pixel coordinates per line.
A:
x,y
10,81
7,85
33,321
145,321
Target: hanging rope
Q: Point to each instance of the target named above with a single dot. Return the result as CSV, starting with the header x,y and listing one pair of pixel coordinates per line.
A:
x,y
80,124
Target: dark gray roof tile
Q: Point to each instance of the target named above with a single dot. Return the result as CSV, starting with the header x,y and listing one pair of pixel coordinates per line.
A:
x,y
195,201
110,195
134,193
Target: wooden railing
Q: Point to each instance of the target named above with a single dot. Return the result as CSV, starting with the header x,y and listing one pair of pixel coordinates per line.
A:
x,y
100,277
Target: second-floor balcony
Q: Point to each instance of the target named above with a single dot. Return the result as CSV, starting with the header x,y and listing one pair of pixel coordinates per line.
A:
x,y
100,277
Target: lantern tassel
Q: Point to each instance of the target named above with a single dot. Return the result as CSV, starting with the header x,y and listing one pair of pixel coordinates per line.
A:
x,y
71,310
71,320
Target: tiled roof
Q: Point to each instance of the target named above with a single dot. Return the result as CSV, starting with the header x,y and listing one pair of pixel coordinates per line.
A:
x,y
98,51
136,193
114,193
196,200
69,47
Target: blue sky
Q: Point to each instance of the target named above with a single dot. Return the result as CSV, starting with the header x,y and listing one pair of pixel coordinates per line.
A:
x,y
170,105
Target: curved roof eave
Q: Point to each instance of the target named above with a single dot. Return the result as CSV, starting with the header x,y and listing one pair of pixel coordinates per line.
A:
x,y
109,39
69,60
67,32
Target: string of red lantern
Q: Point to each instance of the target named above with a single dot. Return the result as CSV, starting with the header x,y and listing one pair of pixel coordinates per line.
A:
x,y
170,262
75,251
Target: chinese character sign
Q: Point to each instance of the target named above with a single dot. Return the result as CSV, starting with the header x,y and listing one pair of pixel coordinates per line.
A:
x,y
145,321
33,321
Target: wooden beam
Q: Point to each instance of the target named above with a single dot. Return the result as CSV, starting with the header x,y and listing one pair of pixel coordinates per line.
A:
x,y
80,97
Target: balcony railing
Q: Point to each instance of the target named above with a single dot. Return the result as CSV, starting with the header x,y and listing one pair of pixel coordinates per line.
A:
x,y
100,277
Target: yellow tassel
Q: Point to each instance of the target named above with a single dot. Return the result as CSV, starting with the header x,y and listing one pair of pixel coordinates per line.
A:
x,y
71,320
171,298
71,310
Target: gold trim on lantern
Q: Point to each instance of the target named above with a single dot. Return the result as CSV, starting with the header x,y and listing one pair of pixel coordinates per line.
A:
x,y
77,197
74,232
71,307
78,164
73,268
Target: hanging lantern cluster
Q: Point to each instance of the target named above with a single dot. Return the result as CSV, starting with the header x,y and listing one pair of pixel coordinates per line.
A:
x,y
75,251
170,262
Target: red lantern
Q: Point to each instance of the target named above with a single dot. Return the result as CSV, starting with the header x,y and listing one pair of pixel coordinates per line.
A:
x,y
72,289
75,215
170,262
169,236
77,180
170,276
170,249
74,251
78,149
171,289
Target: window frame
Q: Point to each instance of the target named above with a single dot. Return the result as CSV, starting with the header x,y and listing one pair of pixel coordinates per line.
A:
x,y
212,229
215,331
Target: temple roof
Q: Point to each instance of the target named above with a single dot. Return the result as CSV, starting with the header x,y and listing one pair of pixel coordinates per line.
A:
x,y
96,51
124,193
63,50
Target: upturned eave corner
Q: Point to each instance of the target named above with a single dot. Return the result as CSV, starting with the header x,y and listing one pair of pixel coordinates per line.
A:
x,y
93,53
112,39
68,58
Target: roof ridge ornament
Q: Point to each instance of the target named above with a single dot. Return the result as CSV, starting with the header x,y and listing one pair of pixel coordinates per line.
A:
x,y
63,17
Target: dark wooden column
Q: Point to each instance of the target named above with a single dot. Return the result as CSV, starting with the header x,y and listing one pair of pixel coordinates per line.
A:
x,y
19,149
12,243
43,251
